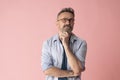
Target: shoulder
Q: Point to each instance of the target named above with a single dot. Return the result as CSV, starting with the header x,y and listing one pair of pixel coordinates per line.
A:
x,y
80,43
50,40
79,40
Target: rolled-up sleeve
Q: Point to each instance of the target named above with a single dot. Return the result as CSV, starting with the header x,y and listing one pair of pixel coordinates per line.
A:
x,y
81,53
46,61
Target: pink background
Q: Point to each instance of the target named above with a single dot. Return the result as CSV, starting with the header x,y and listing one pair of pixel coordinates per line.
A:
x,y
25,24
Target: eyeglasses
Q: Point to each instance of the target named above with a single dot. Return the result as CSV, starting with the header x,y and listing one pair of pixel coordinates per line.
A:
x,y
64,20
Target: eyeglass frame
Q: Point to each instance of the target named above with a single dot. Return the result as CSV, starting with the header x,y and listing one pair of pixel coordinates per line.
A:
x,y
64,20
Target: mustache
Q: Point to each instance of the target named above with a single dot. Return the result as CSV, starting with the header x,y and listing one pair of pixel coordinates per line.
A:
x,y
67,26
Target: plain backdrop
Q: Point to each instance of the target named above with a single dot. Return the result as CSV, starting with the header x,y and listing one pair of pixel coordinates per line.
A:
x,y
25,24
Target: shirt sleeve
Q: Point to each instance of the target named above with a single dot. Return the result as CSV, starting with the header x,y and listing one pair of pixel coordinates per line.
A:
x,y
46,61
81,53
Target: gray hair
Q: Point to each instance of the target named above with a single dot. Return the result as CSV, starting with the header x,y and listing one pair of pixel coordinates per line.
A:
x,y
70,10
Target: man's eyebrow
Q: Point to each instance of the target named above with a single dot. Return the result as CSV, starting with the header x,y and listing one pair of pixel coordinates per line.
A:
x,y
67,18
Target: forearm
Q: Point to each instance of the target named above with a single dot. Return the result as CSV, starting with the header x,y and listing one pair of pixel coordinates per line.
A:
x,y
56,72
73,61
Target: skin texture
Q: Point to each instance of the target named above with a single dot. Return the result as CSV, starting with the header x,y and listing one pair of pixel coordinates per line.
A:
x,y
65,30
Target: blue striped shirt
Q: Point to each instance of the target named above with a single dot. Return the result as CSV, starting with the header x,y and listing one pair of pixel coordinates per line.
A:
x,y
52,53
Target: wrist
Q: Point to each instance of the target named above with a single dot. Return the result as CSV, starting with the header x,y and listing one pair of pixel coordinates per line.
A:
x,y
66,47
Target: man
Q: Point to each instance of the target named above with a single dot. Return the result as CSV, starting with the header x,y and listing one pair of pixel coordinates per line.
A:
x,y
63,55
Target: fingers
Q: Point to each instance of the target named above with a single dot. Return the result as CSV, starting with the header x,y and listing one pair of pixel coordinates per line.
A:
x,y
64,34
64,37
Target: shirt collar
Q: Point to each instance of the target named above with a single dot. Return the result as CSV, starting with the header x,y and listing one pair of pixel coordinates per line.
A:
x,y
72,38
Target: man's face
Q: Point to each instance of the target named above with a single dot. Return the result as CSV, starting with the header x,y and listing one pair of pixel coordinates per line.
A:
x,y
65,22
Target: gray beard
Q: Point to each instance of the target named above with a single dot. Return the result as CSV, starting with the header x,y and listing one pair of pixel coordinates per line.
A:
x,y
69,30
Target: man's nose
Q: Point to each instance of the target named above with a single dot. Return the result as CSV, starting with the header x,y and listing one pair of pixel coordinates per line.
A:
x,y
68,22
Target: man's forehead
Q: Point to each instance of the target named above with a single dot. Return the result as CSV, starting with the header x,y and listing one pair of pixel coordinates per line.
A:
x,y
66,15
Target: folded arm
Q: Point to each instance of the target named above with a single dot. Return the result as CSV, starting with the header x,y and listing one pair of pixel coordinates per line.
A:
x,y
56,72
